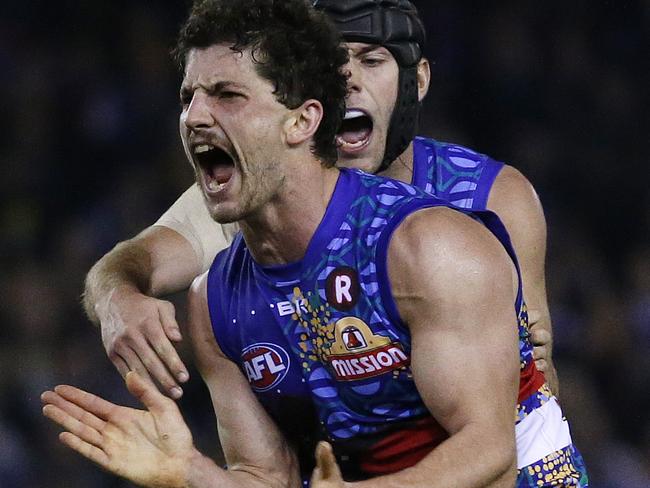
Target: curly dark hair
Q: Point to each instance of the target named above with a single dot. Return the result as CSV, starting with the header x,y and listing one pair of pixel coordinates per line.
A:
x,y
293,46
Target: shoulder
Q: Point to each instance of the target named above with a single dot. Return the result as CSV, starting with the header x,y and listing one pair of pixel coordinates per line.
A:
x,y
446,240
441,262
511,181
514,199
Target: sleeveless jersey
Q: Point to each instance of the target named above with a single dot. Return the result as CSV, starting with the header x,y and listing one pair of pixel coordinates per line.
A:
x,y
453,173
464,178
324,348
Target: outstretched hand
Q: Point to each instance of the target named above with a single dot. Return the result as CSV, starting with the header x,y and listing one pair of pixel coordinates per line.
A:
x,y
149,447
327,473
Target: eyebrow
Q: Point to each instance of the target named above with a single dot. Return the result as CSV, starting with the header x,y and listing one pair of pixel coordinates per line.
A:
x,y
215,87
366,49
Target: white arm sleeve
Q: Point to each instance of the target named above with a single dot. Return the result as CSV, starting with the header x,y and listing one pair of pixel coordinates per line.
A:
x,y
190,218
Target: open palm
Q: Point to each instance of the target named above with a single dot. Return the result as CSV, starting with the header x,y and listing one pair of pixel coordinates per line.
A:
x,y
148,447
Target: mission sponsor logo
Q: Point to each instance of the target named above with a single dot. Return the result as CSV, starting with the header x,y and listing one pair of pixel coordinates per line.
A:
x,y
357,353
265,365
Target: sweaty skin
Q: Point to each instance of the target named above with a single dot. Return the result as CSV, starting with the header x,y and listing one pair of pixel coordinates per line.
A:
x,y
447,332
477,414
139,330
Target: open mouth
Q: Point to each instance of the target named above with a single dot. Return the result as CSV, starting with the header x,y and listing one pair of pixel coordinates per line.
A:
x,y
216,164
355,131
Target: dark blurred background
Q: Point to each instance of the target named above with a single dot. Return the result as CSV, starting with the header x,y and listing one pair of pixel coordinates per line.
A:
x,y
90,155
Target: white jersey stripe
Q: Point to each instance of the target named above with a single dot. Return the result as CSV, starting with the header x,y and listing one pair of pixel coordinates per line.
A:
x,y
543,432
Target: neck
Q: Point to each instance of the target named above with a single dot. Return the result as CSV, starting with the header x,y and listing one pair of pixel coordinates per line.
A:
x,y
280,232
402,167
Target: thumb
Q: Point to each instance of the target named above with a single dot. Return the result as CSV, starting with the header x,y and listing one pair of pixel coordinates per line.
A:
x,y
144,391
326,464
540,337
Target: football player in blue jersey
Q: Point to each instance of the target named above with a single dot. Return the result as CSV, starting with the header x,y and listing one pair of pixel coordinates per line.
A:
x,y
388,77
262,97
408,363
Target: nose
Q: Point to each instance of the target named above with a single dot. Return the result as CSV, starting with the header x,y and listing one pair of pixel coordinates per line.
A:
x,y
354,76
198,113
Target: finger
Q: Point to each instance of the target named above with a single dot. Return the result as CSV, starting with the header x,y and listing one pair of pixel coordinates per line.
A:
x,y
167,315
155,367
83,416
165,350
131,358
87,401
86,449
540,337
541,365
539,352
71,424
147,393
326,462
120,364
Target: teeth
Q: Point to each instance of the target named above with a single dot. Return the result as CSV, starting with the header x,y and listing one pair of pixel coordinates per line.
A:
x,y
202,148
349,145
353,114
214,186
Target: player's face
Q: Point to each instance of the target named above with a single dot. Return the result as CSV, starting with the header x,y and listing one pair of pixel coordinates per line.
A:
x,y
372,86
230,126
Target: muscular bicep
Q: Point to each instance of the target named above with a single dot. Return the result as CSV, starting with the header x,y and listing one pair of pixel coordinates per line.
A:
x,y
454,287
516,203
251,441
189,217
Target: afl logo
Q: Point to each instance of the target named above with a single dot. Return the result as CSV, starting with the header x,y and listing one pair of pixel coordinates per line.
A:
x,y
265,365
342,288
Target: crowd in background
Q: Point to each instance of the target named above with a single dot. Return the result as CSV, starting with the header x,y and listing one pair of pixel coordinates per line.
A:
x,y
90,155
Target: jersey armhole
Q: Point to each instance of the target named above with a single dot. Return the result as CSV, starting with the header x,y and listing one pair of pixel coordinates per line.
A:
x,y
493,223
488,176
217,318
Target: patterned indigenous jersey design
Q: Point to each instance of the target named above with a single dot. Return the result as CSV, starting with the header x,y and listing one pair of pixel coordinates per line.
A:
x,y
464,178
321,341
454,173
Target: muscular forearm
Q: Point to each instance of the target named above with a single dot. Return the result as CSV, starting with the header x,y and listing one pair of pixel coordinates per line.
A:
x,y
473,457
127,265
202,472
156,262
137,328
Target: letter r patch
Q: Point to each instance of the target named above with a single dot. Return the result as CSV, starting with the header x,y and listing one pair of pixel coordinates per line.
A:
x,y
342,288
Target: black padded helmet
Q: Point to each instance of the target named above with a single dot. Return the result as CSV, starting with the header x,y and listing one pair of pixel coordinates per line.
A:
x,y
396,25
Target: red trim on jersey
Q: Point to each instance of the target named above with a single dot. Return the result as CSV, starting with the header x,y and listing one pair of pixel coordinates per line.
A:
x,y
404,448
530,380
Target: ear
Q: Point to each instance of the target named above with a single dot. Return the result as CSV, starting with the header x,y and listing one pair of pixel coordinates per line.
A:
x,y
423,77
303,122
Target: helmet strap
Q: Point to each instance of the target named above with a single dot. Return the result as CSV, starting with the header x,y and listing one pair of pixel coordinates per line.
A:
x,y
403,124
